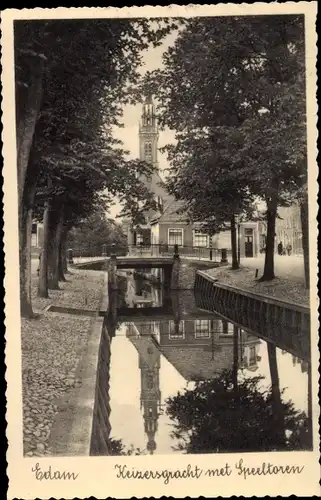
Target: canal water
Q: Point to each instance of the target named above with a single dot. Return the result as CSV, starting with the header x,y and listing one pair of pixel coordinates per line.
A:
x,y
186,380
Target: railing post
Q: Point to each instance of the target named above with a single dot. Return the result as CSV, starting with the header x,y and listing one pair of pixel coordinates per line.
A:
x,y
70,257
224,256
104,250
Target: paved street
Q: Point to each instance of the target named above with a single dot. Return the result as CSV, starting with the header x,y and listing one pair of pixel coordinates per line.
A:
x,y
290,267
77,260
34,265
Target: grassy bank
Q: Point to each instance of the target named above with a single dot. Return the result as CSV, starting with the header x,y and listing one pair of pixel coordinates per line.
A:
x,y
281,288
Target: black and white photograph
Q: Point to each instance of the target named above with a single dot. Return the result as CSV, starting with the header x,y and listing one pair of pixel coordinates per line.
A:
x,y
160,202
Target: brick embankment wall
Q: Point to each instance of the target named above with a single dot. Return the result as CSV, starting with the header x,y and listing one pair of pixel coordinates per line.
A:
x,y
101,425
286,324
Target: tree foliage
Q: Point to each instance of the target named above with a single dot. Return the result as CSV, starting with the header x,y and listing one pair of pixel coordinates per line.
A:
x,y
72,79
211,418
233,89
95,231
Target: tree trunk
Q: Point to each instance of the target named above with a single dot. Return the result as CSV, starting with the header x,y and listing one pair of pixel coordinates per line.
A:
x,y
25,226
27,123
268,273
61,274
43,272
225,326
278,414
62,265
53,256
304,213
176,311
65,247
235,263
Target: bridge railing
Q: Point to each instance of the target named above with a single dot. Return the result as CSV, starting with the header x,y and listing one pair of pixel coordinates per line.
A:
x,y
77,255
191,252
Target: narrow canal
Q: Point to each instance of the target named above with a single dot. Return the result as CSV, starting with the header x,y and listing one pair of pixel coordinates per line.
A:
x,y
185,380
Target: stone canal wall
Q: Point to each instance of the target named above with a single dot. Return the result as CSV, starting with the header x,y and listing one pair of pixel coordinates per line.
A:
x,y
184,272
273,319
82,428
99,440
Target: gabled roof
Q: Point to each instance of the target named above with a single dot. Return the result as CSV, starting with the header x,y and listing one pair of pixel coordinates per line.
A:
x,y
171,212
197,362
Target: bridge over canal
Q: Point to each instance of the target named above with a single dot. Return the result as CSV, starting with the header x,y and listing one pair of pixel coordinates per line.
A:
x,y
178,271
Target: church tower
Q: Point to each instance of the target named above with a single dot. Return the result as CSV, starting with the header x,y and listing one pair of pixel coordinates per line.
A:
x,y
148,133
148,151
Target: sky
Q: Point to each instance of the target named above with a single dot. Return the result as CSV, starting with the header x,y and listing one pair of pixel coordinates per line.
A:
x,y
152,59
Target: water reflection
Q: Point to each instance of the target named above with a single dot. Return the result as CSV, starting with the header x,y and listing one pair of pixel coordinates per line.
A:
x,y
185,380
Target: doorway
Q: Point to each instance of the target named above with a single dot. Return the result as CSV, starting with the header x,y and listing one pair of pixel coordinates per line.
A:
x,y
249,250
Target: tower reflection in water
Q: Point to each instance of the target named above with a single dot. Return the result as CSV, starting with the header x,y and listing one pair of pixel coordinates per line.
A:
x,y
150,398
195,346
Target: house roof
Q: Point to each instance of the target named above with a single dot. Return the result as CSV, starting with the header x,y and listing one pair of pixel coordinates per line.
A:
x,y
199,363
171,212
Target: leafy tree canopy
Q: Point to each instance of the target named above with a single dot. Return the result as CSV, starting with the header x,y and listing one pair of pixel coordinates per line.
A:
x,y
240,80
211,418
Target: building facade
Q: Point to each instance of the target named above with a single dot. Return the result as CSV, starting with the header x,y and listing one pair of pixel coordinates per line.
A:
x,y
201,349
288,228
171,227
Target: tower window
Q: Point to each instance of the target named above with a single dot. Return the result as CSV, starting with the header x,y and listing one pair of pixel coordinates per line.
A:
x,y
150,381
148,150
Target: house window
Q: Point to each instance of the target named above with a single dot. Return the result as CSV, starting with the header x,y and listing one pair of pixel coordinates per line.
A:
x,y
176,331
200,239
202,328
248,231
175,237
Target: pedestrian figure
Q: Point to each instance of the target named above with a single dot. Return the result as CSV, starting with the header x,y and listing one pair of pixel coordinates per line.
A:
x,y
289,248
280,248
38,270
